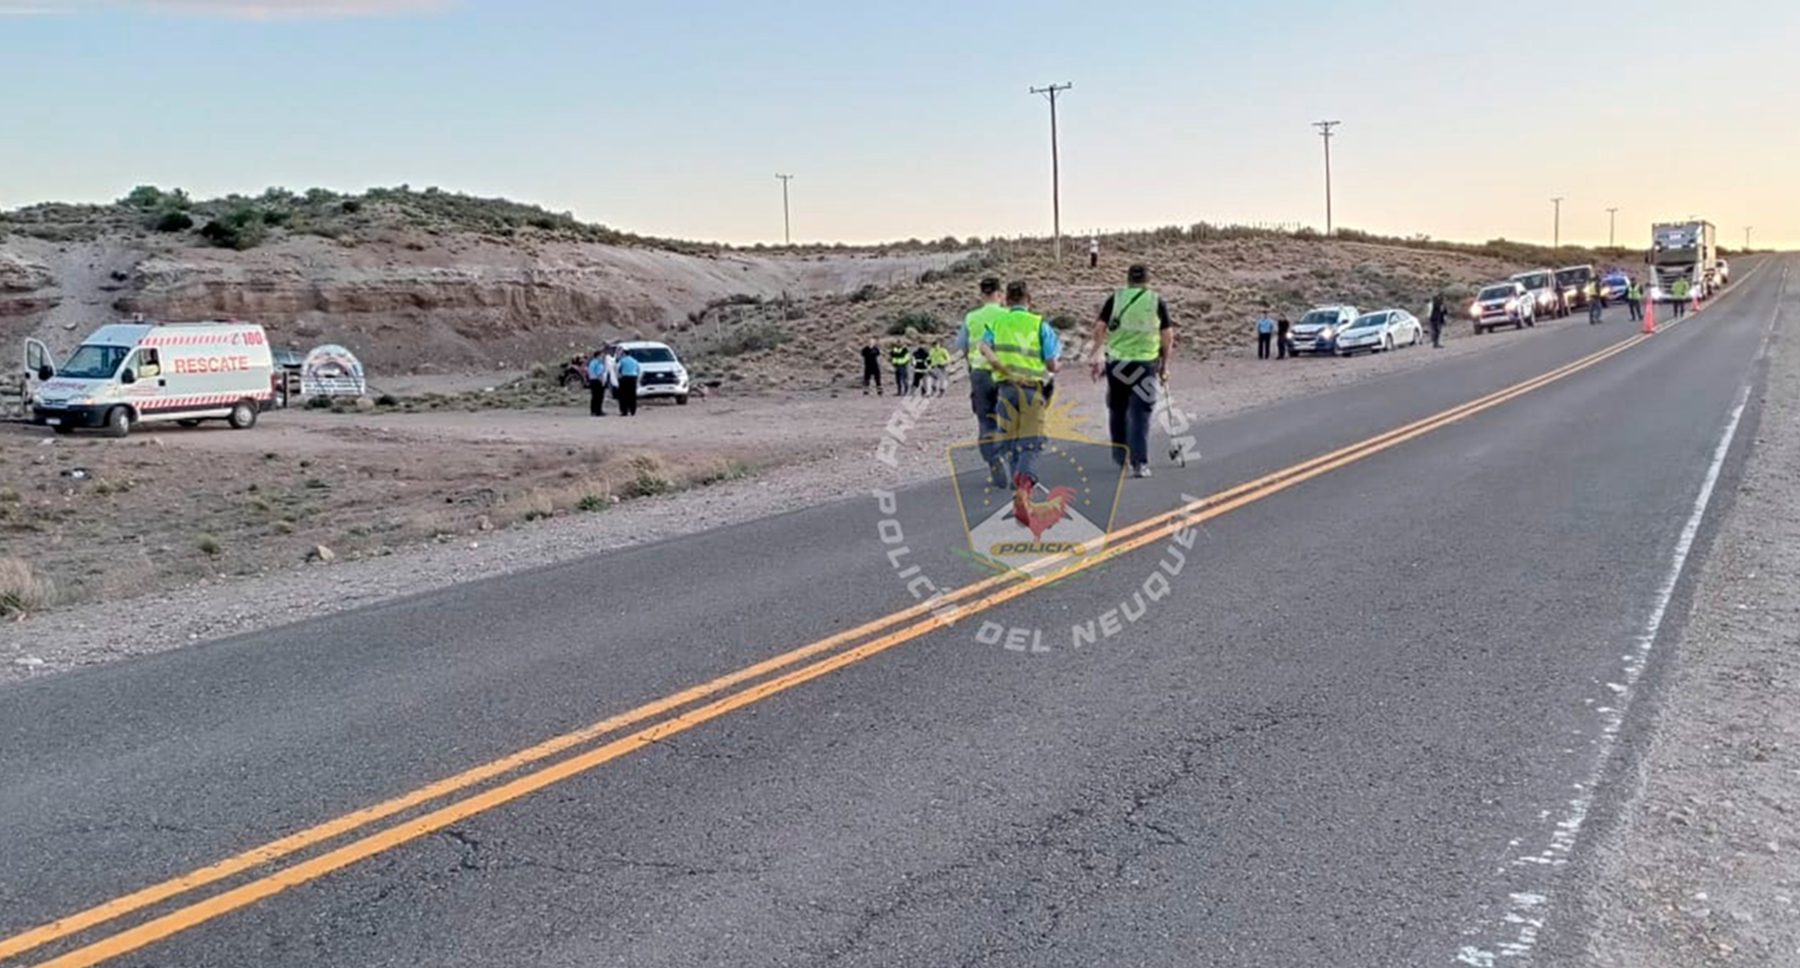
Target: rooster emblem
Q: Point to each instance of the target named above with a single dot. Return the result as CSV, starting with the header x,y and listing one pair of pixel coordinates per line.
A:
x,y
1041,516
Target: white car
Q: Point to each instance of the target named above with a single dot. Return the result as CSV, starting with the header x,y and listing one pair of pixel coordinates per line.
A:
x,y
1380,331
1503,304
660,373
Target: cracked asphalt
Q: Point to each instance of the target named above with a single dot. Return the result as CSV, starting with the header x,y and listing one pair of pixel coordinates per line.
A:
x,y
1324,745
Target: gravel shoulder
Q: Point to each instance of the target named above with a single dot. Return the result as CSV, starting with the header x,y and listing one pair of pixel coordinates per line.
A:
x,y
1702,866
804,449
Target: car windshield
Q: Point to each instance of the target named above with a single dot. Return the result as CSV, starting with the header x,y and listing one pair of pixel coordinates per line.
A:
x,y
1536,280
1319,317
94,362
1496,292
651,354
1569,277
1373,319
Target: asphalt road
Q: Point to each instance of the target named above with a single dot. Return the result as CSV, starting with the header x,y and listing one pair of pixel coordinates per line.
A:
x,y
1360,721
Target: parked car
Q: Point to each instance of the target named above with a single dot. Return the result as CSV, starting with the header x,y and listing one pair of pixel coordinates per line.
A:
x,y
126,374
1501,304
1616,284
661,372
1546,298
1317,331
1572,283
1378,332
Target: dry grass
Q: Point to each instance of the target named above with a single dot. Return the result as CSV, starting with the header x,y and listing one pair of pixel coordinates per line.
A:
x,y
21,590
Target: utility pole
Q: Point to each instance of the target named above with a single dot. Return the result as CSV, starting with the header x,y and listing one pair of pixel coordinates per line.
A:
x,y
1325,128
1747,238
787,225
1050,94
1556,236
1612,226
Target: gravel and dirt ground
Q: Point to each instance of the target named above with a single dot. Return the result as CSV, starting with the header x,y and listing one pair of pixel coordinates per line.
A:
x,y
224,527
1704,866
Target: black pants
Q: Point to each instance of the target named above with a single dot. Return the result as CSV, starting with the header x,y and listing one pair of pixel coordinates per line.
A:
x,y
1130,400
1093,260
1680,308
902,376
1262,345
628,396
596,399
1437,332
872,378
1281,346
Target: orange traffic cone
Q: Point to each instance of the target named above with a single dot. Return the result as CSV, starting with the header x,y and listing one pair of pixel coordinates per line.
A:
x,y
1649,316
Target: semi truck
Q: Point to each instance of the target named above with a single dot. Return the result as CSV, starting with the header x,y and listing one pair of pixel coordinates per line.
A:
x,y
1683,250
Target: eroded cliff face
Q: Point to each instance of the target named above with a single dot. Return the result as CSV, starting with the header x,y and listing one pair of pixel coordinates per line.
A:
x,y
408,304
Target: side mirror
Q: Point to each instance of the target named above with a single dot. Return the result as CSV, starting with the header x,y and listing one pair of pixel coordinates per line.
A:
x,y
128,377
46,371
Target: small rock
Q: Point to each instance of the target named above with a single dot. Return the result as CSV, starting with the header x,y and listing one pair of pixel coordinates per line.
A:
x,y
483,523
321,553
365,403
28,661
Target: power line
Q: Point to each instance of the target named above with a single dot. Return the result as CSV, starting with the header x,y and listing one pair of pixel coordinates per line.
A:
x,y
1325,129
1556,231
1612,225
787,225
1050,94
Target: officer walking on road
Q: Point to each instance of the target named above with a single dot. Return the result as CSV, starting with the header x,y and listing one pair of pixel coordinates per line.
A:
x,y
983,399
1022,349
1138,337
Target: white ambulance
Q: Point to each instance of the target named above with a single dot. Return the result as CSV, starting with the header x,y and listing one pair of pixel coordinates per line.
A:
x,y
140,372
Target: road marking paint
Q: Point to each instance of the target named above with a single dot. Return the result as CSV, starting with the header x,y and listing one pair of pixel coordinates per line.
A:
x,y
313,868
332,829
1522,913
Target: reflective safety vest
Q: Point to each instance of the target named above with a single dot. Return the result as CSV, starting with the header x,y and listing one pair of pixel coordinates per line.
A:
x,y
938,356
975,325
1680,289
1634,291
899,356
1134,333
1593,289
1019,346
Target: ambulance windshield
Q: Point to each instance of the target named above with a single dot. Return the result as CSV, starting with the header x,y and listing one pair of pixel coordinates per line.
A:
x,y
94,362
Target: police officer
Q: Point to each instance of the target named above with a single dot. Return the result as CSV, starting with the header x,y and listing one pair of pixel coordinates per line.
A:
x,y
1022,349
1634,299
982,389
1680,291
1437,317
900,358
1134,327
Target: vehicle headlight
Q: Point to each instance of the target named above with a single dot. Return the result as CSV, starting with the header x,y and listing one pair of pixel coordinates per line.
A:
x,y
1325,333
1656,293
1475,310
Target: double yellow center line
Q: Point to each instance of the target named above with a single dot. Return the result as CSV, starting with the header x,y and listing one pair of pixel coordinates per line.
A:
x,y
766,678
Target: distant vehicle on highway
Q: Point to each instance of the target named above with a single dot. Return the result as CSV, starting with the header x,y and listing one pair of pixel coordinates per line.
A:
x,y
1616,284
1501,304
1379,332
1572,283
1546,298
1317,331
662,374
1722,272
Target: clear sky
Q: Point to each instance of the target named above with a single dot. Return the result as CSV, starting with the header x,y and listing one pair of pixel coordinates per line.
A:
x,y
671,117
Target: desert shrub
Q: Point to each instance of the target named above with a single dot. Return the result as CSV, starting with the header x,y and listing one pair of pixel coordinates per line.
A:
x,y
209,546
752,338
387,400
241,228
21,590
318,403
351,206
916,320
650,476
144,196
173,220
593,502
866,293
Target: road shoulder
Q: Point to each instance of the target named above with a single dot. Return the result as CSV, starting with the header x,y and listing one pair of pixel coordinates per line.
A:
x,y
1702,866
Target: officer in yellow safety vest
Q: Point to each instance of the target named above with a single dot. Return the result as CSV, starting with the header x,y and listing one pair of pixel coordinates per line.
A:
x,y
1634,299
1021,348
1138,337
1680,291
983,391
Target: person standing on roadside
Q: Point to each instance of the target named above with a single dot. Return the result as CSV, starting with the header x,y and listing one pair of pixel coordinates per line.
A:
x,y
939,358
1137,339
1265,335
1680,291
1094,252
900,358
1634,299
1022,349
596,381
983,399
628,384
1282,326
871,357
921,370
1437,317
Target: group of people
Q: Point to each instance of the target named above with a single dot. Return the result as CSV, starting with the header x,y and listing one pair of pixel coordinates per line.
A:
x,y
616,371
921,370
1014,355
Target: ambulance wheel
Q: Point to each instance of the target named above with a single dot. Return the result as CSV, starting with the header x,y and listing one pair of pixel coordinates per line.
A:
x,y
118,422
243,416
187,423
